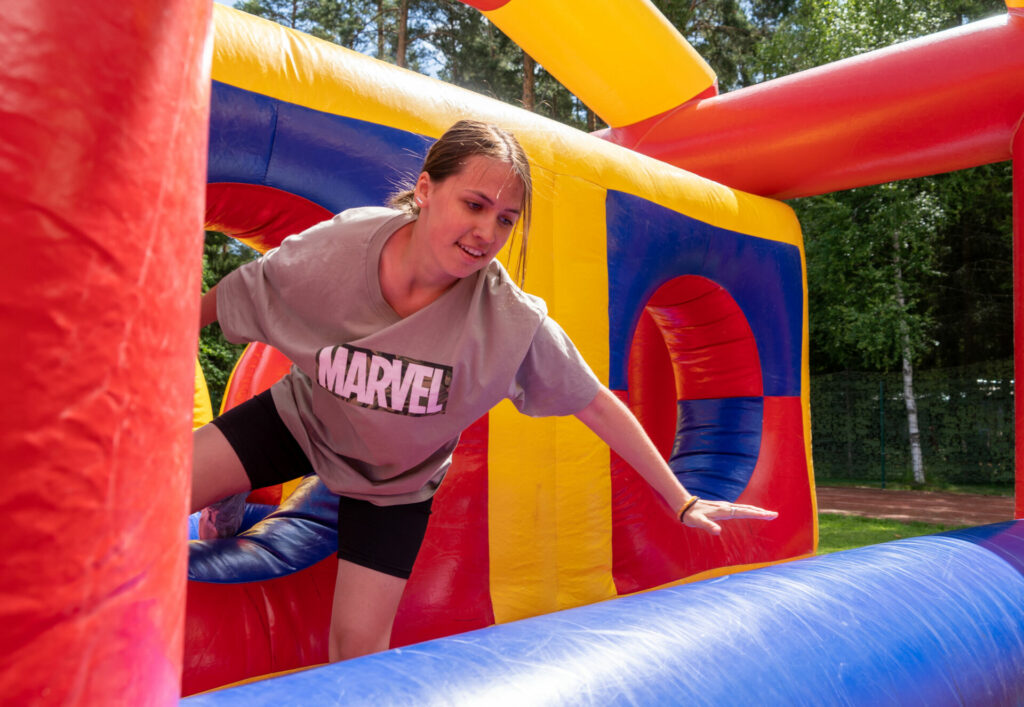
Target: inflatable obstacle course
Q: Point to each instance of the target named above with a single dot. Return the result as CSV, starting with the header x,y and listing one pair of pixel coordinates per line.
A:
x,y
102,176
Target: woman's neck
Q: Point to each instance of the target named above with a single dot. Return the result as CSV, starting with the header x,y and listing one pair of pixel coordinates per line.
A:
x,y
406,280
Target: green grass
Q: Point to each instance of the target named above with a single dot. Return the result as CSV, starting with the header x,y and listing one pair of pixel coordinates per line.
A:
x,y
839,532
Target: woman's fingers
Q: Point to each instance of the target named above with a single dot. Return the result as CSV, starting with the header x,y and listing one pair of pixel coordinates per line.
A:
x,y
704,514
742,511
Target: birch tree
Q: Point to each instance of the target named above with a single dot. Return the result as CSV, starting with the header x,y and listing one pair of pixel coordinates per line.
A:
x,y
872,256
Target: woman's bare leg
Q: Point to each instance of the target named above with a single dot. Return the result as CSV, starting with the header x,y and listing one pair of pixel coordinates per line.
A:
x,y
365,604
217,474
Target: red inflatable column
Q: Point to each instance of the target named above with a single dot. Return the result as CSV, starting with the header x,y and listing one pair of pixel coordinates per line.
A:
x,y
1018,311
102,170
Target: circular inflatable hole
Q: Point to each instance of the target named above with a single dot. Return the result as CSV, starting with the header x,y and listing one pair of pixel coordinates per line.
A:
x,y
695,385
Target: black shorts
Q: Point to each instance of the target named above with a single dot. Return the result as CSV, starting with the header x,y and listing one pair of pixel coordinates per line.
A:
x,y
382,538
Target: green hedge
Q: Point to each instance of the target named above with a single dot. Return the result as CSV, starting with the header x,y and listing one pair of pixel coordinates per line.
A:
x,y
965,416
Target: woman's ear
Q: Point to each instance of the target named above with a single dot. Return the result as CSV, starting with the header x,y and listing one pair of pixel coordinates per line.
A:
x,y
421,192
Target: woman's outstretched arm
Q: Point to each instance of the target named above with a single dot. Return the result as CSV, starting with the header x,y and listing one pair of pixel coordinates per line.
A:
x,y
614,423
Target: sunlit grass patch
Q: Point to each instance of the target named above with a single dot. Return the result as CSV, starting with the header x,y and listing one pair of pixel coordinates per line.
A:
x,y
840,532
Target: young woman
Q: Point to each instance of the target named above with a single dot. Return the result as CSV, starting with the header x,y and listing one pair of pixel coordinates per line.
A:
x,y
404,329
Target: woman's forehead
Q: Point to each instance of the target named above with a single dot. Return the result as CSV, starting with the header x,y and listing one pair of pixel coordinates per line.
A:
x,y
494,178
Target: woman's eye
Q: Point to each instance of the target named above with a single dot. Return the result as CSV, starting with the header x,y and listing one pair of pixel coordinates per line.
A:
x,y
505,221
473,206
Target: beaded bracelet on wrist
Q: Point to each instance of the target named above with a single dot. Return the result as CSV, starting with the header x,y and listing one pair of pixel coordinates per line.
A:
x,y
690,503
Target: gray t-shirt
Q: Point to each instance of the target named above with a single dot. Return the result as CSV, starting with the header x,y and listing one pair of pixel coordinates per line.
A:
x,y
375,400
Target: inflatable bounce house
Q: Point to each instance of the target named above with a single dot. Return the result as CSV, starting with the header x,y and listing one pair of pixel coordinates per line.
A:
x,y
550,573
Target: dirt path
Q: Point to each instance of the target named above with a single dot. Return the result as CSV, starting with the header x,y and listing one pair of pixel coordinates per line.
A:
x,y
924,506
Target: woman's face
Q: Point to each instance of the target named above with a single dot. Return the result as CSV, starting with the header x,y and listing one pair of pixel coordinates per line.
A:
x,y
469,216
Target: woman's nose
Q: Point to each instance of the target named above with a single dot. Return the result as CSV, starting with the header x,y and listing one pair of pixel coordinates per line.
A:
x,y
486,231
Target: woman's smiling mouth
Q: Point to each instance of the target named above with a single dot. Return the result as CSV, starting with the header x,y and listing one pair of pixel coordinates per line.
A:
x,y
470,251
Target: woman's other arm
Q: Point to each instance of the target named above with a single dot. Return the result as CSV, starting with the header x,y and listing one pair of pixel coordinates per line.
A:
x,y
612,421
208,308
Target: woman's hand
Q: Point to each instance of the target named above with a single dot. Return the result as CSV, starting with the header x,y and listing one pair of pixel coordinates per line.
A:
x,y
703,514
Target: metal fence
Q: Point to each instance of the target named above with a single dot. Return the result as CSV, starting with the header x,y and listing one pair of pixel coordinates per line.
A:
x,y
965,416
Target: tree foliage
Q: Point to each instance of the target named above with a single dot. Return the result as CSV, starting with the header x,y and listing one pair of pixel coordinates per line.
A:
x,y
872,257
338,21
973,303
473,53
726,33
809,33
367,26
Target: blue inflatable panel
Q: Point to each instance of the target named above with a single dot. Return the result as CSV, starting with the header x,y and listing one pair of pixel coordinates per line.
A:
x,y
241,135
331,160
648,245
303,531
937,620
717,444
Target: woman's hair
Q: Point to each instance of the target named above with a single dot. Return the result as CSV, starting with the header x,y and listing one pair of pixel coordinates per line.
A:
x,y
447,157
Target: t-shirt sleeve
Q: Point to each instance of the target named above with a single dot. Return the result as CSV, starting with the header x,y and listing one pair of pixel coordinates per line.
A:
x,y
553,379
255,298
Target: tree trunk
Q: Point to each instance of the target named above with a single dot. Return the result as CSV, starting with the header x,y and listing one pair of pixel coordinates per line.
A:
x,y
380,29
403,23
528,77
591,120
916,458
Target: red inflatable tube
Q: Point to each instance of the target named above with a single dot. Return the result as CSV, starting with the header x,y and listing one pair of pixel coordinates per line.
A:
x,y
259,216
105,110
940,103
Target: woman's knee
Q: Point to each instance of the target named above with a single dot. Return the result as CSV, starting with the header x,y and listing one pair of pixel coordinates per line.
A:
x,y
355,640
216,470
365,604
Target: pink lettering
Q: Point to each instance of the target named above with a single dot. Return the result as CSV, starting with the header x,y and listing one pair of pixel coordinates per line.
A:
x,y
436,379
355,379
331,369
418,392
377,381
400,391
